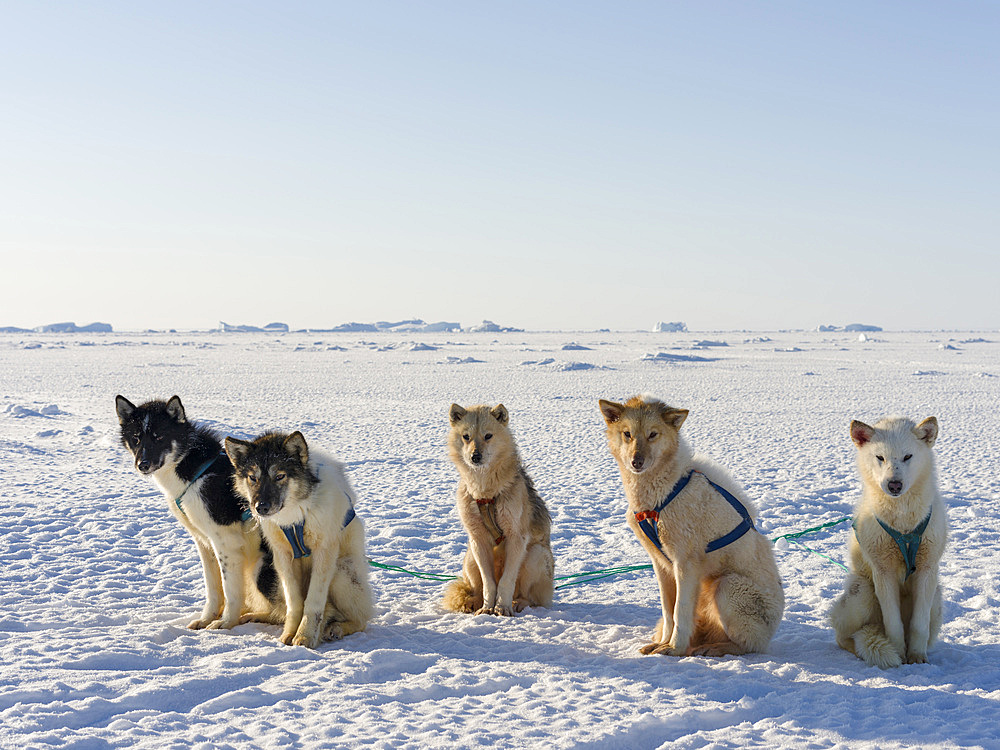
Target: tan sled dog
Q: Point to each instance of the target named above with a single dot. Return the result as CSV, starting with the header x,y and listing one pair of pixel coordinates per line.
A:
x,y
303,502
890,610
720,592
508,564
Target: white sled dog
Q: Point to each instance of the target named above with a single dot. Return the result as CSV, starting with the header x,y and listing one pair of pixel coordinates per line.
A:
x,y
890,610
508,563
720,592
303,501
186,462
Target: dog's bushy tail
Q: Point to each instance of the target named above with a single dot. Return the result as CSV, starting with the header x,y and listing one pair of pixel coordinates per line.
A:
x,y
459,596
872,645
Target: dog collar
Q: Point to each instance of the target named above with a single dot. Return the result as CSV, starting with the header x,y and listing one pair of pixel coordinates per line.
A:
x,y
295,534
488,512
647,519
245,516
909,544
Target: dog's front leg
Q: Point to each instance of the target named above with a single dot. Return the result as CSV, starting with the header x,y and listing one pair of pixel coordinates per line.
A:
x,y
482,553
668,596
517,547
291,584
214,596
324,565
887,592
924,588
230,557
688,583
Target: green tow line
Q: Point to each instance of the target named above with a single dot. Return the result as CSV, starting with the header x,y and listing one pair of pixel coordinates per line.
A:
x,y
414,573
595,575
794,539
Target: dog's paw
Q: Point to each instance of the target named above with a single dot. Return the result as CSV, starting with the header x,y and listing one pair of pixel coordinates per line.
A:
x,y
305,639
286,638
484,611
333,632
200,623
658,648
502,610
222,624
915,657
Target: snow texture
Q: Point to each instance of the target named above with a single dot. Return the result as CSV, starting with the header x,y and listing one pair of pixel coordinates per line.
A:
x,y
98,580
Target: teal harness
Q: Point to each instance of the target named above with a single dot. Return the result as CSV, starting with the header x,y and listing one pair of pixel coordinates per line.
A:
x,y
295,534
245,516
647,519
909,544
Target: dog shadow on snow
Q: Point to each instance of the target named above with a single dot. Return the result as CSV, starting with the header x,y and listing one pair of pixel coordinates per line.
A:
x,y
804,678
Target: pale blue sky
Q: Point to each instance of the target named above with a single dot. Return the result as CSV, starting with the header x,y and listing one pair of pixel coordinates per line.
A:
x,y
569,165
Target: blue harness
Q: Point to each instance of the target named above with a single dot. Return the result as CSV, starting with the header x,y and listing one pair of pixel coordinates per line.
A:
x,y
909,544
295,534
245,516
647,519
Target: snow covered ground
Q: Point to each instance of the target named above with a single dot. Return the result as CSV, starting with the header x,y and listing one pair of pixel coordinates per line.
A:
x,y
97,580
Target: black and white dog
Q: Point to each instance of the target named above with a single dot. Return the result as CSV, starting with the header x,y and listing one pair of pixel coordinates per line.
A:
x,y
303,500
187,463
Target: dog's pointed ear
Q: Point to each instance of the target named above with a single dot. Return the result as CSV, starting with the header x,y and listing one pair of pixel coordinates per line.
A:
x,y
861,433
927,430
673,416
612,412
456,413
236,449
176,409
124,407
295,445
500,414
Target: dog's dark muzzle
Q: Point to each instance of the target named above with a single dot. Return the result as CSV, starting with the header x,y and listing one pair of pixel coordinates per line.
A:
x,y
266,503
144,465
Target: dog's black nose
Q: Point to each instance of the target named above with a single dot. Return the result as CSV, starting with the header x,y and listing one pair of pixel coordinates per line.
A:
x,y
637,462
143,466
476,457
894,487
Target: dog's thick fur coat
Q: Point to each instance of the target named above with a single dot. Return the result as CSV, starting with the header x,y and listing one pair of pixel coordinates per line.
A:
x,y
237,567
728,601
496,495
886,616
327,592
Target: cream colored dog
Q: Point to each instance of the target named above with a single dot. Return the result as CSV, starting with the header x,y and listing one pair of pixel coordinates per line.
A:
x,y
720,592
890,610
508,564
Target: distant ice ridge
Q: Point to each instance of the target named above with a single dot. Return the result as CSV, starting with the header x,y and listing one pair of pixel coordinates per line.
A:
x,y
61,328
553,364
402,326
488,326
675,327
706,344
269,328
850,328
668,357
